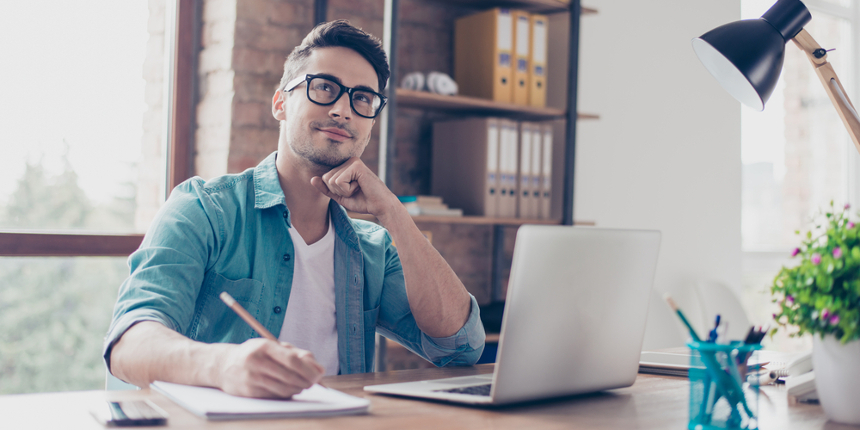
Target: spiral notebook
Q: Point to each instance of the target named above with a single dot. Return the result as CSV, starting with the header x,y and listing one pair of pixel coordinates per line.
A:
x,y
214,404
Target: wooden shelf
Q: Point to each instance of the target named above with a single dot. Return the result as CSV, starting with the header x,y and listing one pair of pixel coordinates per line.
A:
x,y
540,6
476,220
474,105
479,220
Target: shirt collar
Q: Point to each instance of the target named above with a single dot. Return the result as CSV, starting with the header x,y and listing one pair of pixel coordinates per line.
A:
x,y
267,187
268,193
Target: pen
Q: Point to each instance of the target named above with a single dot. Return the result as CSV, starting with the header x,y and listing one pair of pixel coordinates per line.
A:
x,y
729,386
233,304
757,366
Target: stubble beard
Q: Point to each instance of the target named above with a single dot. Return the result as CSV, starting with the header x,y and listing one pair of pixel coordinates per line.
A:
x,y
326,157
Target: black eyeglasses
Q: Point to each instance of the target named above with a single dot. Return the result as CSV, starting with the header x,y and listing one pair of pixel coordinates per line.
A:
x,y
324,91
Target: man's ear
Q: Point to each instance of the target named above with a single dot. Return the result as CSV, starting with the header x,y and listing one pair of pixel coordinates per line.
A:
x,y
278,106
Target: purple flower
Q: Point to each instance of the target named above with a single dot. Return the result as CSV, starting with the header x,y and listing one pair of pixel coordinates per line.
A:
x,y
795,252
834,320
789,300
837,253
816,259
774,316
825,314
850,224
847,206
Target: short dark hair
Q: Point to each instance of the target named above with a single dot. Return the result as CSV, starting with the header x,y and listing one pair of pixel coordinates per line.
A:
x,y
339,33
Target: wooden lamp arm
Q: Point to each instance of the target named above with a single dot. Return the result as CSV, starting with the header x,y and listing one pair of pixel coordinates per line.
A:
x,y
825,72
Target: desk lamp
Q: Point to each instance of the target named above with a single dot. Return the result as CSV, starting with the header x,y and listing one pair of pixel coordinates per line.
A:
x,y
746,57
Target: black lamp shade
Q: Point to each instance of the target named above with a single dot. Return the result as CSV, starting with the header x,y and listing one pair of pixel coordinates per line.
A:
x,y
746,56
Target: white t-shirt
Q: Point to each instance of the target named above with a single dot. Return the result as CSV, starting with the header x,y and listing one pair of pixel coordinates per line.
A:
x,y
310,322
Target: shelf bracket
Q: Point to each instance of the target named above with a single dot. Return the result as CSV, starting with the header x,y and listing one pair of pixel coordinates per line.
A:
x,y
320,11
570,135
386,123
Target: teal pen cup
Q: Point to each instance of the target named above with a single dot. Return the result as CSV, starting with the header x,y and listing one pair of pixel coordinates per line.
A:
x,y
720,398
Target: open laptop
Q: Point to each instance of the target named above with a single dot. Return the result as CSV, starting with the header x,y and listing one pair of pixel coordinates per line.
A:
x,y
574,318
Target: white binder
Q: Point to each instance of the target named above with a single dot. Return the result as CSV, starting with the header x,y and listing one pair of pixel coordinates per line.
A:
x,y
546,173
524,182
537,164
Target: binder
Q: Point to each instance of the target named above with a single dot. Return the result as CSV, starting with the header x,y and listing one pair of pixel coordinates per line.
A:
x,y
537,164
546,173
504,169
538,61
466,164
508,168
522,33
483,46
524,188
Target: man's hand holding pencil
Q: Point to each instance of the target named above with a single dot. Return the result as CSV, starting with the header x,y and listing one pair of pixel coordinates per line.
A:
x,y
264,367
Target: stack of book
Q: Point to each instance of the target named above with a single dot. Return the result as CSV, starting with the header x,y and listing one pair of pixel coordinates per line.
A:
x,y
428,205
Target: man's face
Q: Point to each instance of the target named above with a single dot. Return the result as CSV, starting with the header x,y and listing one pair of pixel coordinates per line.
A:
x,y
327,136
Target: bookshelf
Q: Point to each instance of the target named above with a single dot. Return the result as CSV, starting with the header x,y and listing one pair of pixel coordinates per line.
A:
x,y
403,103
400,99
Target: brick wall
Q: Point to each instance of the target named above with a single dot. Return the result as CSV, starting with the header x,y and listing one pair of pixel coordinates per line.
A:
x,y
243,47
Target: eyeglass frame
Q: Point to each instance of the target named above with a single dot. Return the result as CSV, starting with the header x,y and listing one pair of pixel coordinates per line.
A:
x,y
343,89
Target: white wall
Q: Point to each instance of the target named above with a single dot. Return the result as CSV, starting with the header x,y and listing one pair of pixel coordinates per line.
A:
x,y
665,153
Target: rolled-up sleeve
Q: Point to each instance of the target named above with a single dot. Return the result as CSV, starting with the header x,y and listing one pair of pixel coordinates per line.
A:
x,y
396,322
167,271
463,348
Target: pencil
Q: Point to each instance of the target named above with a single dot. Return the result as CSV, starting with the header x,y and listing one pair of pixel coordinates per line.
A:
x,y
677,310
233,304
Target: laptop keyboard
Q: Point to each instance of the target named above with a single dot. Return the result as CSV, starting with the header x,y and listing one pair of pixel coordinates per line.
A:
x,y
477,390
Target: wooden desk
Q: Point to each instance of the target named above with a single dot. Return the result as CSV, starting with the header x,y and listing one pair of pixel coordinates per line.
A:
x,y
653,402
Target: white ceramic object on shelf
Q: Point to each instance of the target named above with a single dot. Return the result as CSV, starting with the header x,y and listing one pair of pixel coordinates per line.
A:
x,y
837,378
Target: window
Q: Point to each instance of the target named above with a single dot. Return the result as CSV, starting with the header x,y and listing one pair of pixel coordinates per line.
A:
x,y
796,155
73,110
95,113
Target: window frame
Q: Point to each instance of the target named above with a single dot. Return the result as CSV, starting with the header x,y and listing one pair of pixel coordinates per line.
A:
x,y
184,15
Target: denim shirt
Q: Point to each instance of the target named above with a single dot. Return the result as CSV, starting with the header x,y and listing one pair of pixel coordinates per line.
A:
x,y
231,234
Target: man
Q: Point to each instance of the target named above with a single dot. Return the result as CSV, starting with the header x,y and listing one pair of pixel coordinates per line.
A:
x,y
277,239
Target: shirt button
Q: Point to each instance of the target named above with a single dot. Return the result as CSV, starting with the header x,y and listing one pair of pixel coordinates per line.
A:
x,y
356,279
286,257
277,309
285,214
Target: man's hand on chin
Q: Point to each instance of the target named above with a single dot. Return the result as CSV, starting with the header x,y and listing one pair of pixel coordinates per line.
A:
x,y
354,186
